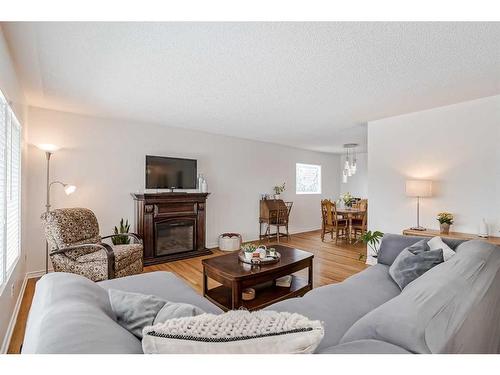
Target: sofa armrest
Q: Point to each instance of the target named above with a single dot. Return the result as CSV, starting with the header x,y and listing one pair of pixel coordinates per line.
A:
x,y
365,347
136,237
110,254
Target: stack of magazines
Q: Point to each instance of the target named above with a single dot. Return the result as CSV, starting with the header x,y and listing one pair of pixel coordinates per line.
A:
x,y
284,281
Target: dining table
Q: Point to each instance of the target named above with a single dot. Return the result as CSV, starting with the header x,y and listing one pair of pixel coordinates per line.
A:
x,y
349,213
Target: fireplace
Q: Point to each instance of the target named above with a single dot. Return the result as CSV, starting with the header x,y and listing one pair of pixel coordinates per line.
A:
x,y
172,225
174,236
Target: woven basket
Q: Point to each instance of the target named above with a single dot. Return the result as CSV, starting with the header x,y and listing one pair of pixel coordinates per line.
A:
x,y
230,241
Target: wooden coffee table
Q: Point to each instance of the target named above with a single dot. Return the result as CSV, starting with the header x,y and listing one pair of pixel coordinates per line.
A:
x,y
235,276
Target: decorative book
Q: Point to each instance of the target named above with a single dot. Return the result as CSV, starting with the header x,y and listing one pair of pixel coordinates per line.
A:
x,y
284,281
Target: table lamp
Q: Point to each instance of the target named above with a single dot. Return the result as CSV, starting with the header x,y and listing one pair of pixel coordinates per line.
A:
x,y
418,189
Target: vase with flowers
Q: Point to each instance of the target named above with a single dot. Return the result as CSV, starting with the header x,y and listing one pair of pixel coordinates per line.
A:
x,y
347,199
445,220
278,189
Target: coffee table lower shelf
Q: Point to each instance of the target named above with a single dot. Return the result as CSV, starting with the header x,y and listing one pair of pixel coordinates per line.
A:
x,y
221,295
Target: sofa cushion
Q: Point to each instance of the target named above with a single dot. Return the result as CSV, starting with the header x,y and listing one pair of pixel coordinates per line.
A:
x,y
413,262
71,314
161,284
234,332
365,347
436,243
134,311
340,305
393,244
452,308
125,255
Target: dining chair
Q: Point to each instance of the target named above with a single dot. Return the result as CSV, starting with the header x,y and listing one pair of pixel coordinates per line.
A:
x,y
280,218
331,221
360,220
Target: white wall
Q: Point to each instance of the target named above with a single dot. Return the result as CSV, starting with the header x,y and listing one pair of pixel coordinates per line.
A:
x,y
357,185
457,146
105,159
11,88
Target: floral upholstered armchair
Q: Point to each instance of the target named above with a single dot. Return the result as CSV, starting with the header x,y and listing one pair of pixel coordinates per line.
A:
x,y
76,247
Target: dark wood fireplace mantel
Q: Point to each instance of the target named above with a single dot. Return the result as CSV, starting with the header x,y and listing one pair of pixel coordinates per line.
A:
x,y
172,225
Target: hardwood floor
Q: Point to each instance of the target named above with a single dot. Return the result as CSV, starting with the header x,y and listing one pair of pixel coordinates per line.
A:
x,y
332,263
18,335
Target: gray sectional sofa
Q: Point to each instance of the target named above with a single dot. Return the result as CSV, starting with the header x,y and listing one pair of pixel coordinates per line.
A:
x,y
453,308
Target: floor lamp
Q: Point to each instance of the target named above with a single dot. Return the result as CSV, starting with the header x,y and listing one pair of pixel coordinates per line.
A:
x,y
418,189
49,149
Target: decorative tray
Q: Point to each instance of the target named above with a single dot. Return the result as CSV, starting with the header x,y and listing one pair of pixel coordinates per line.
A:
x,y
267,260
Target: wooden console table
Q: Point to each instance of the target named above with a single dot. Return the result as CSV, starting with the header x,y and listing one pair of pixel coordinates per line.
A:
x,y
454,235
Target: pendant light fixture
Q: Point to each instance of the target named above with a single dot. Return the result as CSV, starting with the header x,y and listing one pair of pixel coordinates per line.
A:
x,y
350,164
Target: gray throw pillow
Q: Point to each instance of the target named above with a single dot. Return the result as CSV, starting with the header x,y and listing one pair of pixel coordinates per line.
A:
x,y
413,262
134,311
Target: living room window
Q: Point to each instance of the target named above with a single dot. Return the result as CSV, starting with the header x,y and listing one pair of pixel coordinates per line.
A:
x,y
10,189
308,178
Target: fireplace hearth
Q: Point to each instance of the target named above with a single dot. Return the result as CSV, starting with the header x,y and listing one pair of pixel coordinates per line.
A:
x,y
172,225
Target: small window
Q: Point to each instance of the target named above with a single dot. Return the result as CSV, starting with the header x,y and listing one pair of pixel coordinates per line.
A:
x,y
308,179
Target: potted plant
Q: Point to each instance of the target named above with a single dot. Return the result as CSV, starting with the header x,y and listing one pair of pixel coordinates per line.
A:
x,y
278,189
372,240
248,250
124,228
445,220
347,199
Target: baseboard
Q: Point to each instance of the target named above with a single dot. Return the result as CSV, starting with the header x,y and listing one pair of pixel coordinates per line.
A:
x,y
36,274
13,318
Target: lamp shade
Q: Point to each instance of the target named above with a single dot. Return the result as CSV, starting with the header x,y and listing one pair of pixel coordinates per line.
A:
x,y
419,188
48,147
69,189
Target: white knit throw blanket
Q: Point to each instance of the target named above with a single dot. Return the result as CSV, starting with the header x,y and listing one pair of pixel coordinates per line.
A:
x,y
233,325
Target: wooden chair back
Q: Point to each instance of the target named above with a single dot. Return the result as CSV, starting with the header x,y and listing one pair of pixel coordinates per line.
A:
x,y
362,204
289,207
329,212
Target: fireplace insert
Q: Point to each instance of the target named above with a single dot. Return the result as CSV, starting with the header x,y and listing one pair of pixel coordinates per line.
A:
x,y
174,236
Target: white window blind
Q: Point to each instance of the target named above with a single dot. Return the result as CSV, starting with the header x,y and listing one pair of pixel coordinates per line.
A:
x,y
13,191
10,189
3,127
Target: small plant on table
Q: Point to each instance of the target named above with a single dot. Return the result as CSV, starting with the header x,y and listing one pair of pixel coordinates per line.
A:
x,y
445,220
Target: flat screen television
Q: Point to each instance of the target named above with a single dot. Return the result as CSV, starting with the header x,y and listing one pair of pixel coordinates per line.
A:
x,y
167,173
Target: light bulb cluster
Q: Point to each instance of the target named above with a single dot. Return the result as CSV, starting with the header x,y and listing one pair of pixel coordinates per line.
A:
x,y
350,164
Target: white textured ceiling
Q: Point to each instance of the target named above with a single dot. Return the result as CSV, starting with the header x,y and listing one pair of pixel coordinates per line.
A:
x,y
308,85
